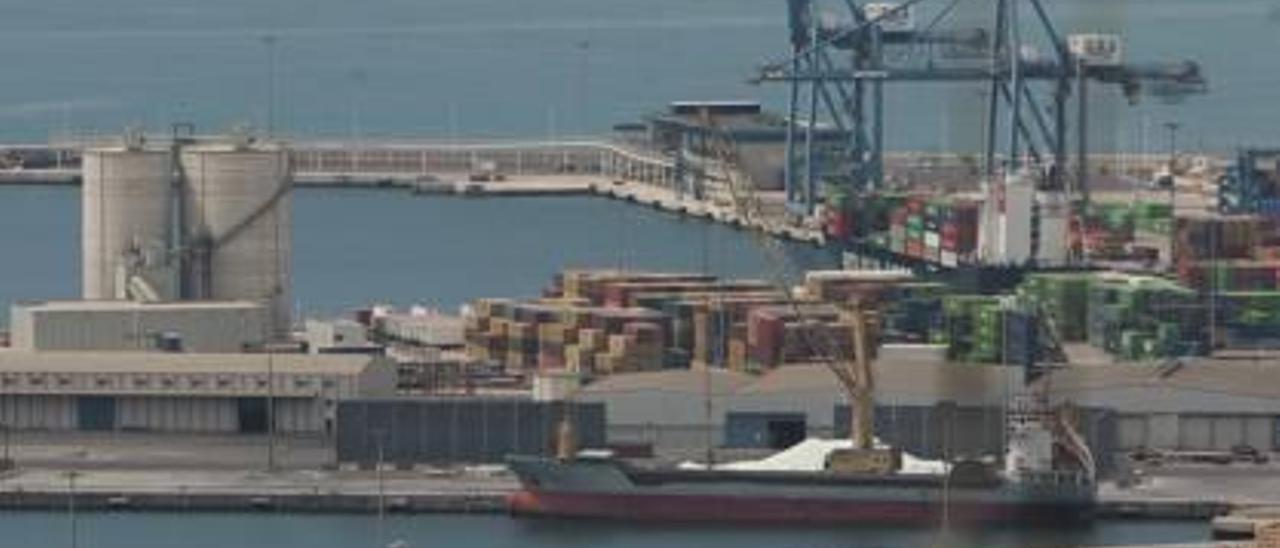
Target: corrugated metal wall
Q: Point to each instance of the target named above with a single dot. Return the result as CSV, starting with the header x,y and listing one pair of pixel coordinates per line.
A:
x,y
33,412
151,414
452,430
1198,432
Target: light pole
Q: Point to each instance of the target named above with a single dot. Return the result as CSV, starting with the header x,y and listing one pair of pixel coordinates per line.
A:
x,y
71,506
583,74
1173,128
271,410
269,41
8,461
382,503
1172,181
356,78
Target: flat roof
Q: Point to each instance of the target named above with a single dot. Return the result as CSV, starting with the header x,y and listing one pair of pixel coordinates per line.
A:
x,y
23,361
1254,378
74,306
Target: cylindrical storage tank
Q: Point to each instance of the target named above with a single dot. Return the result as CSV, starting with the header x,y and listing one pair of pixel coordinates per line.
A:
x,y
127,209
238,200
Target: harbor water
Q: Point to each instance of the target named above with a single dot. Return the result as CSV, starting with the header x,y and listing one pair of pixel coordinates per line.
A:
x,y
356,247
167,530
458,68
453,69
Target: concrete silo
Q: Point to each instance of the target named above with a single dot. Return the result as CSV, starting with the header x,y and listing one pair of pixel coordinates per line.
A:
x,y
237,225
128,206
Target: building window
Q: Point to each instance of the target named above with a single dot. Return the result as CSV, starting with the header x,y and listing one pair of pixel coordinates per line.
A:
x,y
141,381
8,380
195,382
103,382
224,382
35,380
167,382
64,380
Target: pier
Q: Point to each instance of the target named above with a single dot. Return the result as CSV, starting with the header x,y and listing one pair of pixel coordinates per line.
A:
x,y
516,168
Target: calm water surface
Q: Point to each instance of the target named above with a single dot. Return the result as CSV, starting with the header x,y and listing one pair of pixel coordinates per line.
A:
x,y
281,531
356,247
497,67
552,67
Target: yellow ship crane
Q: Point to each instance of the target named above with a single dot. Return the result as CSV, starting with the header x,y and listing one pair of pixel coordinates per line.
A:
x,y
855,374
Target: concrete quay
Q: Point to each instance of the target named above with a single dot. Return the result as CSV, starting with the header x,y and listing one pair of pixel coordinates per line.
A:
x,y
477,490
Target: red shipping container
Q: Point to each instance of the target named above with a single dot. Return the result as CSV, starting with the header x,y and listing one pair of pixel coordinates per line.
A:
x,y
915,248
838,225
899,216
950,236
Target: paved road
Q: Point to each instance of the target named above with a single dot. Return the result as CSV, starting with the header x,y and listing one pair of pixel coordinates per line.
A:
x,y
90,451
1247,484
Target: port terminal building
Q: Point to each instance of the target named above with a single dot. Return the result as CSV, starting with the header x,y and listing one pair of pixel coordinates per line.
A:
x,y
184,393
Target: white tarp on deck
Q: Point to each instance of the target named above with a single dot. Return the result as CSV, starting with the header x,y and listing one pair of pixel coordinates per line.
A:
x,y
810,455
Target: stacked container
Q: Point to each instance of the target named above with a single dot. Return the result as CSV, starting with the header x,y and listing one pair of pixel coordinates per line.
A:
x,y
1064,297
975,330
1141,318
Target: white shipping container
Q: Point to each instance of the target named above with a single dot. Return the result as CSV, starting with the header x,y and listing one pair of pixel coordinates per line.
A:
x,y
428,330
932,239
932,253
949,259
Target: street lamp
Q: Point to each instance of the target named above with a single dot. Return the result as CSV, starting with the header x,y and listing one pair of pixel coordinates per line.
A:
x,y
356,78
1172,182
584,73
1173,128
382,503
269,41
71,506
271,410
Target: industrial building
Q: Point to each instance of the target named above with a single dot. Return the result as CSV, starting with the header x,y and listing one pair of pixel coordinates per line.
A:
x,y
201,327
669,409
183,393
934,408
189,220
1191,405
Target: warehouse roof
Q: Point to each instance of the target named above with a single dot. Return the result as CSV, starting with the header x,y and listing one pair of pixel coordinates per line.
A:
x,y
689,381
134,305
961,383
1258,379
21,361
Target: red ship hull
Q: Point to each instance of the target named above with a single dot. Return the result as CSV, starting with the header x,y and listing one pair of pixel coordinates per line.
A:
x,y
693,508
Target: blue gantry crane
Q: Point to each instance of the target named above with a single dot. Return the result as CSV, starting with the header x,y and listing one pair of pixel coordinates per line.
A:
x,y
1250,187
838,66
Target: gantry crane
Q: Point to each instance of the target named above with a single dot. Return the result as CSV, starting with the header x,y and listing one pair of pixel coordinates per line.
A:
x,y
837,71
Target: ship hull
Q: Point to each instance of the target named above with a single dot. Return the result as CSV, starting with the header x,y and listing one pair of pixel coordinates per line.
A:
x,y
767,510
612,490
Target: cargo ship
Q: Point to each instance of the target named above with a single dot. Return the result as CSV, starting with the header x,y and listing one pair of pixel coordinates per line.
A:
x,y
1047,474
1039,482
